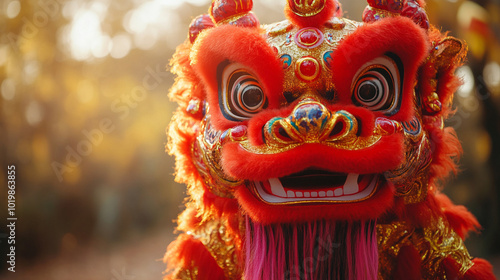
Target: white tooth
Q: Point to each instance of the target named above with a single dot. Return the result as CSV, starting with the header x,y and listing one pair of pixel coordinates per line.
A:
x,y
276,187
298,194
307,194
351,184
329,193
314,194
290,194
322,194
338,192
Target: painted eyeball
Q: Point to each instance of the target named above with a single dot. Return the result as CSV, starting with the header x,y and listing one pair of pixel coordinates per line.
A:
x,y
240,94
377,85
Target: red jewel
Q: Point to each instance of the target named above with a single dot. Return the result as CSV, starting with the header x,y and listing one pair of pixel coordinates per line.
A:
x,y
309,37
387,126
238,132
307,68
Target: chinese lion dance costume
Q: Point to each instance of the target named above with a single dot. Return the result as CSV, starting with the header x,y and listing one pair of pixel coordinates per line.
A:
x,y
313,148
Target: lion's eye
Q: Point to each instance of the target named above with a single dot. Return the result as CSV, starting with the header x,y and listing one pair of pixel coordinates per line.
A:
x,y
240,94
376,86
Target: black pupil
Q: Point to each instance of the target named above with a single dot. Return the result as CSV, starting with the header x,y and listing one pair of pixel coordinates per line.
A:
x,y
368,91
252,96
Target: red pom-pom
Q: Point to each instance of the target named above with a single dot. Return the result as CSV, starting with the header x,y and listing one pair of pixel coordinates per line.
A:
x,y
395,6
305,13
224,10
199,24
249,20
416,13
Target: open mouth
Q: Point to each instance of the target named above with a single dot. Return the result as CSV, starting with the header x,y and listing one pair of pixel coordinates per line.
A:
x,y
313,186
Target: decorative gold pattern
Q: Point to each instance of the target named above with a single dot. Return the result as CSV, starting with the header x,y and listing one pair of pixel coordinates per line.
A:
x,y
352,143
434,244
280,28
221,245
311,122
432,101
411,178
448,49
206,154
281,36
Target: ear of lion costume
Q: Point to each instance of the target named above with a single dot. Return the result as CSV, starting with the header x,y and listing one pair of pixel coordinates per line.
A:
x,y
312,148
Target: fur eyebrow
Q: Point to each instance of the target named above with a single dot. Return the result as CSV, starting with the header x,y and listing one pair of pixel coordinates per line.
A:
x,y
398,36
242,45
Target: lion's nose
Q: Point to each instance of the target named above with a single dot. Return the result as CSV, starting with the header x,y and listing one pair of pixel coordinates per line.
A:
x,y
311,122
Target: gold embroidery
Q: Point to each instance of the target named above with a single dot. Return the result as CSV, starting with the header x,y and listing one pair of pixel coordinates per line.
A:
x,y
433,244
222,245
411,178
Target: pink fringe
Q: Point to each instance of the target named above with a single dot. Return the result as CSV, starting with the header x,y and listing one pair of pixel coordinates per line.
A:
x,y
320,250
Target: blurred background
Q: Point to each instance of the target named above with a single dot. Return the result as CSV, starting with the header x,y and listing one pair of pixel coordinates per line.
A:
x,y
83,112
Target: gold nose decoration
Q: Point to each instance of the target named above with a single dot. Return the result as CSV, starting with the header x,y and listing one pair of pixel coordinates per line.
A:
x,y
311,122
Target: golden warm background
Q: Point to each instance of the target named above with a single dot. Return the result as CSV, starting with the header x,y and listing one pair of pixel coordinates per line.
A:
x,y
83,112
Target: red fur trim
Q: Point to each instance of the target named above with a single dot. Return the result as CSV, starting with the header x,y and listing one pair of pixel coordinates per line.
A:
x,y
424,213
407,264
236,44
331,8
481,270
460,219
446,152
384,155
184,88
397,35
188,253
267,214
256,124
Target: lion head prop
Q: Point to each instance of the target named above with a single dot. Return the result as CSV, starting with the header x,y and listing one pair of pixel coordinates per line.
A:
x,y
313,148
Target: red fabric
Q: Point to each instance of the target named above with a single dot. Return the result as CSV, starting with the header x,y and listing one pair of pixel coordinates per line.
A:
x,y
408,264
